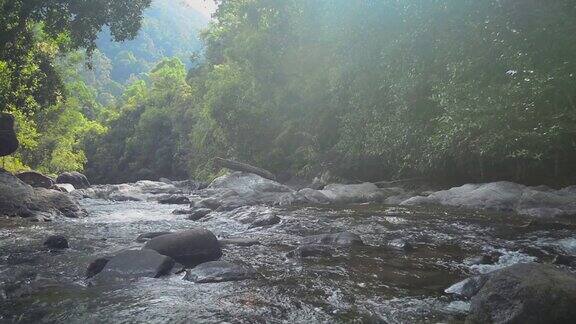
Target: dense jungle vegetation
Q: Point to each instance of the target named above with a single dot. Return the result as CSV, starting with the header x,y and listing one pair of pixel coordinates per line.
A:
x,y
451,90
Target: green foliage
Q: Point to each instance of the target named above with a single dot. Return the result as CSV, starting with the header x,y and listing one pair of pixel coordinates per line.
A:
x,y
54,109
461,90
147,137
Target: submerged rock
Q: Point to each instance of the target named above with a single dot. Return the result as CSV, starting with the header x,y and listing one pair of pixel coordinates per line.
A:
x,y
505,197
341,239
56,242
526,293
238,241
174,200
182,211
220,271
134,264
265,220
307,251
199,213
77,179
401,245
190,248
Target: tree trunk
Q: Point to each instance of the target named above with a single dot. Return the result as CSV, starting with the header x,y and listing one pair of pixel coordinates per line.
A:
x,y
238,166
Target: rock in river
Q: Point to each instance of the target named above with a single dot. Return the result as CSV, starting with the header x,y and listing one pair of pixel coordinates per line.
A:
x,y
341,239
36,179
306,251
77,179
133,264
504,197
174,200
56,242
148,236
20,199
198,213
220,271
190,248
526,293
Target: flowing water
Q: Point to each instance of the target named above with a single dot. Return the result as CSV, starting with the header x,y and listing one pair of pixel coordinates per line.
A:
x,y
376,283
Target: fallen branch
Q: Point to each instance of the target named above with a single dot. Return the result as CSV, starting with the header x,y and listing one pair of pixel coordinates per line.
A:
x,y
238,166
384,183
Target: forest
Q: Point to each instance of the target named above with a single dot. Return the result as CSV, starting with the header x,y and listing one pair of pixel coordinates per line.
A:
x,y
454,91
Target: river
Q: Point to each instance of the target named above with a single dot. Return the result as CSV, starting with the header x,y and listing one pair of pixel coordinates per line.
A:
x,y
375,283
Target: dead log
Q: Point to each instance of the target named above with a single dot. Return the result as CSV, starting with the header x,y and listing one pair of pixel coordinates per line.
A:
x,y
397,182
238,166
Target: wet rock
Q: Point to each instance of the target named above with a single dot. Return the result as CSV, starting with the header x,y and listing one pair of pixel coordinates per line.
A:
x,y
220,271
467,287
148,236
77,179
56,242
15,196
20,199
526,293
341,239
190,248
139,191
401,245
133,264
353,193
209,203
55,201
265,220
483,259
239,241
36,179
96,266
504,197
566,260
306,251
64,187
199,213
174,200
304,196
182,211
241,189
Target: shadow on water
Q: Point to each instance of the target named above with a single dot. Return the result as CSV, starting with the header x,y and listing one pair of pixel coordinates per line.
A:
x,y
380,282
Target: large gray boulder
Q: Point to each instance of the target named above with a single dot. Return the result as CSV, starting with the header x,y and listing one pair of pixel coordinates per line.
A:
x,y
36,179
504,197
8,140
77,179
134,264
526,293
189,248
241,189
20,199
